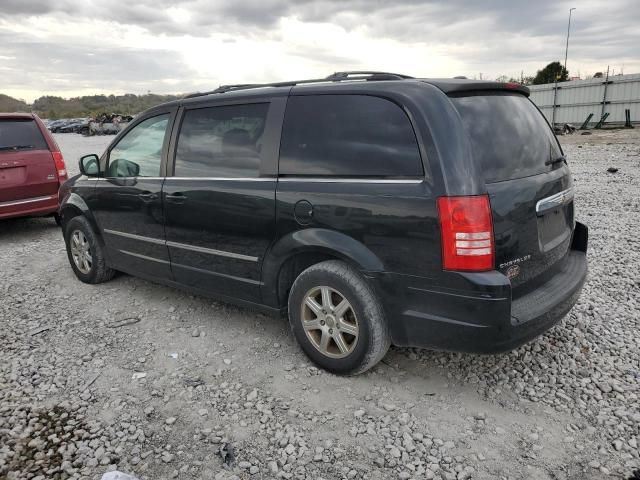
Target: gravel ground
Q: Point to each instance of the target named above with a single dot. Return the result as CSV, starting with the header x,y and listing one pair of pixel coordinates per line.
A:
x,y
162,384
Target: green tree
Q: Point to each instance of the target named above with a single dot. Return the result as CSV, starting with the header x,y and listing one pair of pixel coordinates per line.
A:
x,y
549,74
10,104
52,107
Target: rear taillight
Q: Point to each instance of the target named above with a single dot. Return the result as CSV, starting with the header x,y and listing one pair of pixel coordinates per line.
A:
x,y
61,168
467,233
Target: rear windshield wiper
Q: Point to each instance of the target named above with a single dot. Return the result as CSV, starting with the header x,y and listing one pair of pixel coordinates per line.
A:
x,y
561,158
16,147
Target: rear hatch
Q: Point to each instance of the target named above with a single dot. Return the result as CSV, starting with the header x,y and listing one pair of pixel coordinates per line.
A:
x,y
27,168
529,184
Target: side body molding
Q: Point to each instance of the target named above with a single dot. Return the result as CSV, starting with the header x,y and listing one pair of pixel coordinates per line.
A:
x,y
313,240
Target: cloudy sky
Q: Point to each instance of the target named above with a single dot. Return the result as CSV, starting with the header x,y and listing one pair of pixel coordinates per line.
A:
x,y
73,47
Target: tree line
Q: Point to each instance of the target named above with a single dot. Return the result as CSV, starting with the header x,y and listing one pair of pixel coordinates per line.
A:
x,y
548,74
53,107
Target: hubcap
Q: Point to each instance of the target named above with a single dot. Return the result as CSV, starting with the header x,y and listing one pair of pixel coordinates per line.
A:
x,y
329,322
81,251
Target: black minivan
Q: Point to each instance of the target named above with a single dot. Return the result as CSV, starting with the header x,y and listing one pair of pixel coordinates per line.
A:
x,y
374,208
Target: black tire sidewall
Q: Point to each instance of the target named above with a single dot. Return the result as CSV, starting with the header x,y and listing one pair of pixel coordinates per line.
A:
x,y
315,278
79,223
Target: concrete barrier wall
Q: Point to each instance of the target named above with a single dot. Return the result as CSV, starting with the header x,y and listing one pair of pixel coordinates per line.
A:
x,y
576,99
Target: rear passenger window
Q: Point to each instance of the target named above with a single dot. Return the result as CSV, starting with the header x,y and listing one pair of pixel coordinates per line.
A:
x,y
348,136
221,141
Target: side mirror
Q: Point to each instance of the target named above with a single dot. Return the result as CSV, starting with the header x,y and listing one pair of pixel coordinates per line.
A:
x,y
90,165
121,167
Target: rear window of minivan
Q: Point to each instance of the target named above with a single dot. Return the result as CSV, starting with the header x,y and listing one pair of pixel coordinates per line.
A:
x,y
509,137
20,133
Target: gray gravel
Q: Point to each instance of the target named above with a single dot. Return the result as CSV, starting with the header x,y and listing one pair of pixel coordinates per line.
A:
x,y
157,383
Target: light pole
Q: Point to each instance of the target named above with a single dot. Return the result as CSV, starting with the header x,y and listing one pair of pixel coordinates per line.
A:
x,y
566,49
555,87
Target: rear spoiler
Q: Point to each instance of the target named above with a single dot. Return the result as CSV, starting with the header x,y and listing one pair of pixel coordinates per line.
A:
x,y
17,116
455,85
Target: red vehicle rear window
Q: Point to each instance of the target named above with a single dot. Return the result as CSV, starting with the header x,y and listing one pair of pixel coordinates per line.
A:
x,y
21,134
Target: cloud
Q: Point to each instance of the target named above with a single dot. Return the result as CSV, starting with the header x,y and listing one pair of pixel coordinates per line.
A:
x,y
39,64
194,44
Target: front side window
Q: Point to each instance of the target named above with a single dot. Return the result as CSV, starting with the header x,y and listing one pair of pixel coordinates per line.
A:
x,y
348,136
223,141
139,153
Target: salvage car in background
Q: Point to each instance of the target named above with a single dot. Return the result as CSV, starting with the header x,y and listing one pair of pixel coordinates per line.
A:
x,y
108,124
76,126
31,167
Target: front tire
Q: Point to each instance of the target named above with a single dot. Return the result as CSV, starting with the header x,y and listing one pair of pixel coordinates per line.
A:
x,y
337,318
85,252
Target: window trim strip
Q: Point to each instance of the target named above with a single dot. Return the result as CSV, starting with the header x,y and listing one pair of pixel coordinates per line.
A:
x,y
290,178
349,180
235,179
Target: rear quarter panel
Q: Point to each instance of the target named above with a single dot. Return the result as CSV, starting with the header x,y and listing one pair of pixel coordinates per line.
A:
x,y
377,227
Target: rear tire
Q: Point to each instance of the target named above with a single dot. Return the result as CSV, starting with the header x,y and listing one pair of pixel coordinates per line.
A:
x,y
337,318
85,252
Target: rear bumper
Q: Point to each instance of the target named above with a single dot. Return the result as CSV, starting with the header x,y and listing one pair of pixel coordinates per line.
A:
x,y
43,205
482,317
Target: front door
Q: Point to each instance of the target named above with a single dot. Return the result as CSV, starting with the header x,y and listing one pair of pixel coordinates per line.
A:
x,y
128,200
220,203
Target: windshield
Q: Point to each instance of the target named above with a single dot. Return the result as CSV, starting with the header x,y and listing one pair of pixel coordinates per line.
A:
x,y
19,134
509,136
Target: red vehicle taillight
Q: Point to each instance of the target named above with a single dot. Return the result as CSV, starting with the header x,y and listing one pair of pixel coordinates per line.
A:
x,y
467,233
61,168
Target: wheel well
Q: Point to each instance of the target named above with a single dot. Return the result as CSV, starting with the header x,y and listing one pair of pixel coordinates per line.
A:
x,y
293,267
67,214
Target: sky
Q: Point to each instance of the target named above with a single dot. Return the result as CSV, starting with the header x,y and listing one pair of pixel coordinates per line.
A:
x,y
72,47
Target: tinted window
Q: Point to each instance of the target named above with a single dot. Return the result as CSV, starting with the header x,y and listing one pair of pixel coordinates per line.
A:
x,y
347,135
221,141
509,136
139,153
21,133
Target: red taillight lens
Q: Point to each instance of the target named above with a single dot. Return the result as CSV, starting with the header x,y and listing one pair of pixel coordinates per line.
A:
x,y
61,168
467,233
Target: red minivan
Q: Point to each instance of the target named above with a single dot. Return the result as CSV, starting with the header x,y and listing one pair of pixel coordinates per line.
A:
x,y
31,167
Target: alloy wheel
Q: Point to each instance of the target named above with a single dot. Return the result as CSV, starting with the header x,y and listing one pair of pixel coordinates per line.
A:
x,y
329,322
81,251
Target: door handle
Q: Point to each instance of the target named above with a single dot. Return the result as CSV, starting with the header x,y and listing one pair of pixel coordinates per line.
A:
x,y
177,197
147,196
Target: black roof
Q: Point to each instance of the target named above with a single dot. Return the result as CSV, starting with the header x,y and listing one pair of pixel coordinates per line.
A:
x,y
447,85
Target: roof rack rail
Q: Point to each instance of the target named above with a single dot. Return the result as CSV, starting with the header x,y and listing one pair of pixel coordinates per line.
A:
x,y
334,77
366,75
